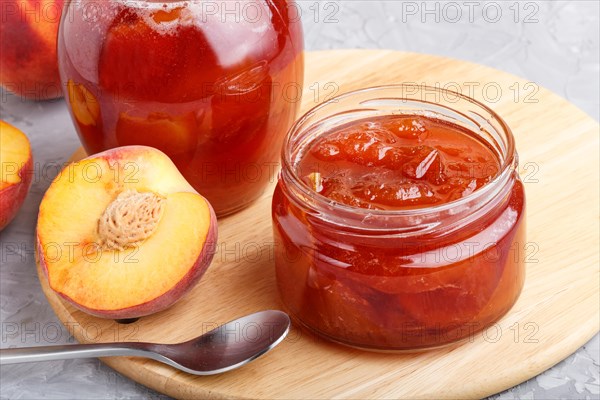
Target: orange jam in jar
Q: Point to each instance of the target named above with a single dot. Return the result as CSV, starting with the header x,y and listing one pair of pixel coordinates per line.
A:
x,y
214,85
398,219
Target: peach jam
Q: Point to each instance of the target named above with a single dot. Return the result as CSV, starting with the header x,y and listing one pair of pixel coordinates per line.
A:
x,y
397,218
213,84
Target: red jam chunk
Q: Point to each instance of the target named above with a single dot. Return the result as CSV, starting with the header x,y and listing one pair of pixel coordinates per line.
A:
x,y
383,290
214,90
397,162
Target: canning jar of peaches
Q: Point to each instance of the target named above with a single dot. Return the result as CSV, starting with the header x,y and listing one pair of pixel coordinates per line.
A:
x,y
213,84
397,219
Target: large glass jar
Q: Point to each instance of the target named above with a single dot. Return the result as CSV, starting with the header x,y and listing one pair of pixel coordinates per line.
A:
x,y
214,85
412,278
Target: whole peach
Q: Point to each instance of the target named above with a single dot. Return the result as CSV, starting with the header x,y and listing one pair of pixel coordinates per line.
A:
x,y
28,62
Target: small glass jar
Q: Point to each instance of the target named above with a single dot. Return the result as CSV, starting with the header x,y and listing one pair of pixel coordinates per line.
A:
x,y
214,85
456,267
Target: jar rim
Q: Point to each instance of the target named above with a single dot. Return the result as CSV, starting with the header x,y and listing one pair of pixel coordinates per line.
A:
x,y
507,166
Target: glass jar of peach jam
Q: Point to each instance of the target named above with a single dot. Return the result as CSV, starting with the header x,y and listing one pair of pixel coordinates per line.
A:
x,y
397,219
214,85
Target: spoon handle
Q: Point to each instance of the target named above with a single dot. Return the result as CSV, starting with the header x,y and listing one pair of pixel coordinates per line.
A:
x,y
64,352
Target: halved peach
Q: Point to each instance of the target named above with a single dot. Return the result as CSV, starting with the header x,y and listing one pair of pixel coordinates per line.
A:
x,y
16,166
122,234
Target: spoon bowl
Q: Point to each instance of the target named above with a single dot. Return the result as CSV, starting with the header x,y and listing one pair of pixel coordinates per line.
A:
x,y
229,346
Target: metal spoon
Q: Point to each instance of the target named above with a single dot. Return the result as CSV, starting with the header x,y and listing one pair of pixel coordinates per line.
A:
x,y
225,348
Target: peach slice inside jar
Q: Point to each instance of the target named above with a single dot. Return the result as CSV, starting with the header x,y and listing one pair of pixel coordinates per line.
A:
x,y
84,104
175,135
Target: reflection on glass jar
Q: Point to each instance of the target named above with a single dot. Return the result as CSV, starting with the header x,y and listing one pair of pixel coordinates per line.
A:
x,y
398,221
202,81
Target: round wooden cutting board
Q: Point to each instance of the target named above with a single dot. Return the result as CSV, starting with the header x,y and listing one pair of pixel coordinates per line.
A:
x,y
558,311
